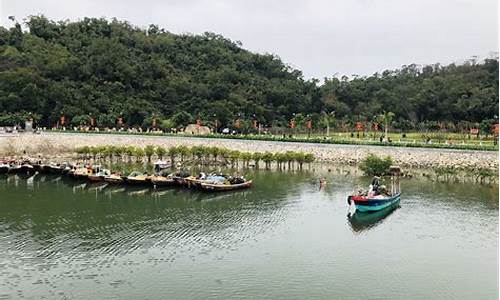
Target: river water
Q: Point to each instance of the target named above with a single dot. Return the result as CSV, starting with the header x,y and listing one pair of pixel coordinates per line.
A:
x,y
283,239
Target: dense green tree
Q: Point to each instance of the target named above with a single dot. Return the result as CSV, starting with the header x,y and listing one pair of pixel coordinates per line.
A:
x,y
110,69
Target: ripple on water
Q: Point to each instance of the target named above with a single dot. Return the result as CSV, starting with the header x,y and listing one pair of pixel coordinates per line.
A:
x,y
285,237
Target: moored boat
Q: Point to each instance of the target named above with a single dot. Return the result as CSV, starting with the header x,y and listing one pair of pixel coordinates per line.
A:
x,y
137,178
219,187
99,176
218,182
159,180
82,173
113,179
4,167
181,177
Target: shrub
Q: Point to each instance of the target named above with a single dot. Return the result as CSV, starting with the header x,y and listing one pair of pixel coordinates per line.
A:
x,y
373,165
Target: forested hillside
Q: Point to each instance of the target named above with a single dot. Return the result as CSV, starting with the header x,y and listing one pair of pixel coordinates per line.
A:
x,y
106,69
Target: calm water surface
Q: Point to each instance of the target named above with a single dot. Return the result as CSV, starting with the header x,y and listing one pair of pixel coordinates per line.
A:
x,y
283,239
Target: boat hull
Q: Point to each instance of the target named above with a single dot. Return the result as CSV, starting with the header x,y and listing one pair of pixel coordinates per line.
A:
x,y
225,187
114,180
95,178
163,182
137,182
371,205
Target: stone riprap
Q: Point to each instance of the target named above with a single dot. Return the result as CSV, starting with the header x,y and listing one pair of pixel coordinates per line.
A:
x,y
55,144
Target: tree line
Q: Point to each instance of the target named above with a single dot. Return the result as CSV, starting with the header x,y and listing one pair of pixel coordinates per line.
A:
x,y
97,71
198,155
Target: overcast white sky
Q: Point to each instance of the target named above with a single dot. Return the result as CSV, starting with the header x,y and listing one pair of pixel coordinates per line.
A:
x,y
319,37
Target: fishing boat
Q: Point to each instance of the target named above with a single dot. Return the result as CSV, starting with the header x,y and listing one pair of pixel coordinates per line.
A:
x,y
218,182
160,180
52,168
161,165
378,197
137,178
67,168
181,177
23,168
365,221
38,167
161,176
82,173
99,175
4,167
219,187
114,179
192,181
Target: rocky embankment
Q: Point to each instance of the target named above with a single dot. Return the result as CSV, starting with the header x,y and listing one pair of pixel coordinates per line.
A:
x,y
52,145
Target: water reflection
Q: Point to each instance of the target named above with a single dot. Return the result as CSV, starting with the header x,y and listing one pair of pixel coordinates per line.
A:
x,y
88,216
363,221
281,237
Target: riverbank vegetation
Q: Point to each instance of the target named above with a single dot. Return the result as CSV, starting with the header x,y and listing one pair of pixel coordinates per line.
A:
x,y
110,73
196,155
373,165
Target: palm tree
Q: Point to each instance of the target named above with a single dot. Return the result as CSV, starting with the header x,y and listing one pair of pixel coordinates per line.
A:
x,y
281,158
129,151
246,157
138,153
183,151
149,151
198,152
224,153
386,118
257,157
83,151
309,158
290,155
234,156
214,151
300,158
172,152
94,151
160,152
327,120
267,157
118,151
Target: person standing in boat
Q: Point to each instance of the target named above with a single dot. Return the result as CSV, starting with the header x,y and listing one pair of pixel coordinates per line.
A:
x,y
373,189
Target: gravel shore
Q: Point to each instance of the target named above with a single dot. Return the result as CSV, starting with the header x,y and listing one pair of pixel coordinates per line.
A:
x,y
60,143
